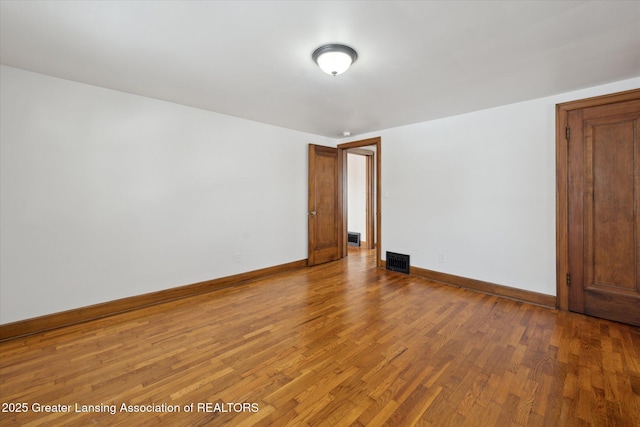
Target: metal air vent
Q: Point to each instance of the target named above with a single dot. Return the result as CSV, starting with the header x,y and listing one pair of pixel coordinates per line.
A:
x,y
353,238
398,262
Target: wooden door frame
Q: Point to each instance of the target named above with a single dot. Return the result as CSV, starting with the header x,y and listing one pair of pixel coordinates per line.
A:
x,y
342,154
562,183
369,202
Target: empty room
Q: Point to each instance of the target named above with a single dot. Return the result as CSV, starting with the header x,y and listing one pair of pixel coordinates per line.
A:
x,y
319,213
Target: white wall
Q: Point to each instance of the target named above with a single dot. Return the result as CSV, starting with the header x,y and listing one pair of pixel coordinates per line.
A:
x,y
106,195
357,194
474,195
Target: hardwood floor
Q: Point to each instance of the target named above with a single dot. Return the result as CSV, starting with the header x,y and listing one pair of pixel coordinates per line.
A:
x,y
337,344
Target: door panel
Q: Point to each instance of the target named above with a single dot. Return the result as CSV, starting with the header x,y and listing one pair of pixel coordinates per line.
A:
x,y
325,205
604,231
611,210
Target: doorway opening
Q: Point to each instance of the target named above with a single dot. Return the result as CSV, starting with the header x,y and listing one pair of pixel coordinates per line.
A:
x,y
365,156
360,196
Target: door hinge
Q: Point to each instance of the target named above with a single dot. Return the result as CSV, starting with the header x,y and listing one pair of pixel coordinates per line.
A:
x,y
568,133
568,279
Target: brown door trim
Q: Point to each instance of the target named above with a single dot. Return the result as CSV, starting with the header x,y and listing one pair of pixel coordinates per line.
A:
x,y
562,177
369,202
342,152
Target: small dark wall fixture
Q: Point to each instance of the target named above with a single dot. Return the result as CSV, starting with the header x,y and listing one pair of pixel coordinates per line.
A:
x,y
398,262
353,238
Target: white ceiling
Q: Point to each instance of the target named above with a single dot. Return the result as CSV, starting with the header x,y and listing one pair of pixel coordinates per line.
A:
x,y
417,60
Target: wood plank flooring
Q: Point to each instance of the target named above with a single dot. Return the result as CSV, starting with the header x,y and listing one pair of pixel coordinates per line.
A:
x,y
340,344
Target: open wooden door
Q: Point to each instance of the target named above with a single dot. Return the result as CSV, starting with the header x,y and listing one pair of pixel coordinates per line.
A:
x,y
325,205
603,205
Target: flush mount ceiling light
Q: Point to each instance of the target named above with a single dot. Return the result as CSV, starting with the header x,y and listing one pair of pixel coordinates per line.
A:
x,y
334,59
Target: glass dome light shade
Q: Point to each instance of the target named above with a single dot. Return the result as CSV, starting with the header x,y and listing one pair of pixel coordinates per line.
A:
x,y
334,62
334,59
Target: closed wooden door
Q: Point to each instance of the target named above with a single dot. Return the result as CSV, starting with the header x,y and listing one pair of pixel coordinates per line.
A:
x,y
325,205
603,205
